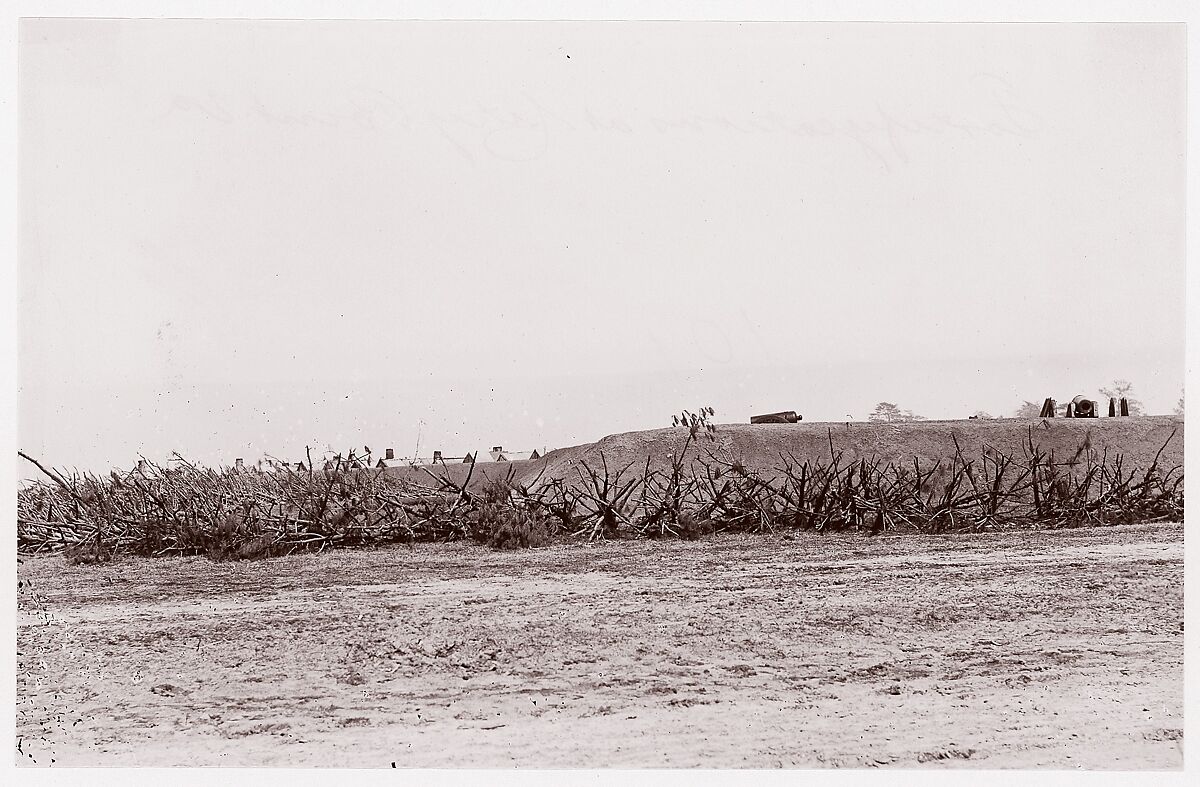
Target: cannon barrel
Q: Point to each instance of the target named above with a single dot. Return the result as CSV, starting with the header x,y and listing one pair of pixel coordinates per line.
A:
x,y
785,417
1084,407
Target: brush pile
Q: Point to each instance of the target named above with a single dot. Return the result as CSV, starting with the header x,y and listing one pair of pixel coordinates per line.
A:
x,y
246,513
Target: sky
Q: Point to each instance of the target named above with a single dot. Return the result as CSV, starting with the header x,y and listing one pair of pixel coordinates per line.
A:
x,y
243,238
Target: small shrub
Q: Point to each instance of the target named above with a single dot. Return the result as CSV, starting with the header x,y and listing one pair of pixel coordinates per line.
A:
x,y
501,524
691,529
227,539
255,549
519,529
151,537
90,550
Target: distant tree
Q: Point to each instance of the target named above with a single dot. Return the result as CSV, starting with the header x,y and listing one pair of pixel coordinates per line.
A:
x,y
885,412
982,414
1123,388
1028,410
1179,405
888,412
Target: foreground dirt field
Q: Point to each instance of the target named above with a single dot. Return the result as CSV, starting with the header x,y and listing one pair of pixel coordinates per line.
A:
x,y
1014,650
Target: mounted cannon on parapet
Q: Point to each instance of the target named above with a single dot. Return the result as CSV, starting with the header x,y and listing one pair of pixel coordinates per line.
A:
x,y
1082,407
785,417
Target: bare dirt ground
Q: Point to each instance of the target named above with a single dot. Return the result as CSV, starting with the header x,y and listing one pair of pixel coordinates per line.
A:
x,y
1008,650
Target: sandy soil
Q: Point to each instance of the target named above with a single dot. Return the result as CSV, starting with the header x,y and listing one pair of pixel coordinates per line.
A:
x,y
1048,649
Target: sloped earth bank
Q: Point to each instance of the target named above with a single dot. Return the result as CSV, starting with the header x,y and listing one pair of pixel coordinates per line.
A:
x,y
1071,442
1059,649
1068,442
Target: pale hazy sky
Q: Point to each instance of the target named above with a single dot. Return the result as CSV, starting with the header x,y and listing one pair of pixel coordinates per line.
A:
x,y
240,238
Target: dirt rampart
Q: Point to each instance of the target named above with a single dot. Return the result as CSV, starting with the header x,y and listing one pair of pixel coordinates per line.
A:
x,y
763,448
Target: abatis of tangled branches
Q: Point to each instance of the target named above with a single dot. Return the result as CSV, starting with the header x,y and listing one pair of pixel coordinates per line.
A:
x,y
244,513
